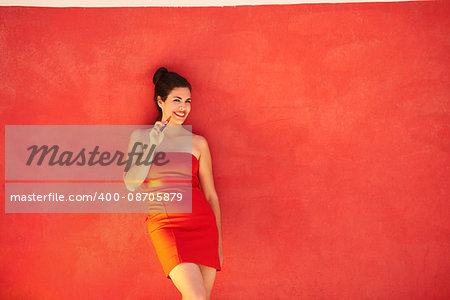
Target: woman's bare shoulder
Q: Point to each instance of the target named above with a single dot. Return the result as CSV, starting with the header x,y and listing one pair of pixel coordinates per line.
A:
x,y
139,133
200,144
198,139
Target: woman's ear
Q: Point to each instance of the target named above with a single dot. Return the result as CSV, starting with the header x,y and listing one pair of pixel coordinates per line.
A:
x,y
160,102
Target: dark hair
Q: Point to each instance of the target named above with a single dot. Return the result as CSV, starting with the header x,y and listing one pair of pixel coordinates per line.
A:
x,y
165,82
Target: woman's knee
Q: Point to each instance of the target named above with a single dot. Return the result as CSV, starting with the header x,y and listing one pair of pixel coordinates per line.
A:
x,y
189,281
197,294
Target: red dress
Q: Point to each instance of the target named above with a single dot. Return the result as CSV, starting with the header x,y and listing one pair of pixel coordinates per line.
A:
x,y
182,237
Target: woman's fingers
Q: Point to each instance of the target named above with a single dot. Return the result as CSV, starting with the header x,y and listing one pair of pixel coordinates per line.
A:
x,y
158,124
156,135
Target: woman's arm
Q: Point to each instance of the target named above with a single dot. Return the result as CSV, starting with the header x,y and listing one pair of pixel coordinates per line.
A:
x,y
205,175
136,174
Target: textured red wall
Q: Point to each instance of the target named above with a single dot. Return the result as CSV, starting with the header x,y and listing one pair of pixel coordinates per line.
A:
x,y
329,131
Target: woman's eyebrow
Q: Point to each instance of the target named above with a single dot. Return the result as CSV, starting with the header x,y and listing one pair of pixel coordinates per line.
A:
x,y
181,98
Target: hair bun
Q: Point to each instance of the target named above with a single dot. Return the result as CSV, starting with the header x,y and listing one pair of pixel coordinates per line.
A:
x,y
159,73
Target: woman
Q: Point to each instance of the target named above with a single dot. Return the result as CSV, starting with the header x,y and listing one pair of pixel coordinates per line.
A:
x,y
188,245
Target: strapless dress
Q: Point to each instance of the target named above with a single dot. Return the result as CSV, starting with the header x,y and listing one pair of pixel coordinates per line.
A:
x,y
181,237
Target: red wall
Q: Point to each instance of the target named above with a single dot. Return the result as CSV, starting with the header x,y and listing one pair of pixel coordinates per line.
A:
x,y
329,131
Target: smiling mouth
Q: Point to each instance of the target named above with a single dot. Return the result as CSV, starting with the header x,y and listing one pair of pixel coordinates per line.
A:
x,y
180,114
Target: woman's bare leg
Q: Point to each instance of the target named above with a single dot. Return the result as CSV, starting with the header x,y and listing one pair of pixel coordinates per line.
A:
x,y
209,275
188,279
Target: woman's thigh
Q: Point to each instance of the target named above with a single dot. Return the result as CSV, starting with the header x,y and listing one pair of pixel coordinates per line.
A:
x,y
188,279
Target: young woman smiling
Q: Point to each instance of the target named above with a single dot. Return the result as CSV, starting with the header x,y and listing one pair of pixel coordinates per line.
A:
x,y
188,245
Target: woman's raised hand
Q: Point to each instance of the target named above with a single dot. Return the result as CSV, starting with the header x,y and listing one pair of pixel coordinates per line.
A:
x,y
156,134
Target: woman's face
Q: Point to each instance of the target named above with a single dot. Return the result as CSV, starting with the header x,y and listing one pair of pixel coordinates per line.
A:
x,y
177,105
